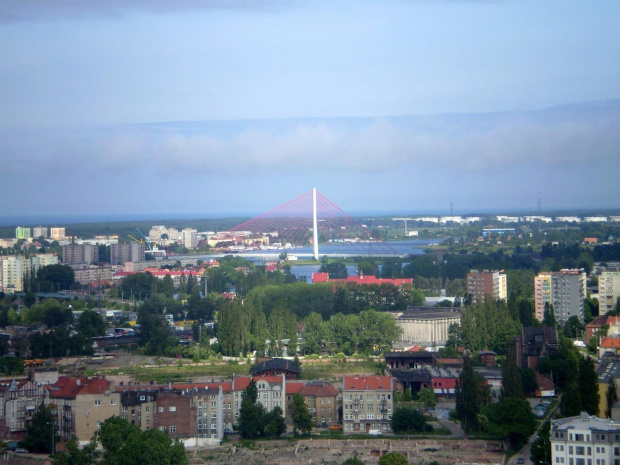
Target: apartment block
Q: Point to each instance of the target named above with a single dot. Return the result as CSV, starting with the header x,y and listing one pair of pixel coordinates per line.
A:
x,y
608,291
367,403
121,253
43,259
271,393
18,404
565,290
86,274
22,233
57,234
81,405
585,440
483,284
77,254
39,231
13,270
189,238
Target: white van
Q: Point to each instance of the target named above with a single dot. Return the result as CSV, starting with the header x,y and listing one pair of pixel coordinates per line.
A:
x,y
375,432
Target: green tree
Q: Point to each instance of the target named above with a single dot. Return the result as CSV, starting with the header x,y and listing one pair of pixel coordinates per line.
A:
x,y
74,455
251,415
392,458
167,286
549,316
336,270
588,386
11,365
611,396
353,461
302,419
541,448
91,324
574,328
528,381
427,397
377,331
40,434
124,443
314,333
409,420
275,425
470,396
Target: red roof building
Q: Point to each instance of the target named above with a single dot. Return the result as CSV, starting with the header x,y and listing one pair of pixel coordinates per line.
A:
x,y
324,278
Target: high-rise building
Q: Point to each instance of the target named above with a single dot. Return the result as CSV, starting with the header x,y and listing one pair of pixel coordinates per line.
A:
x,y
22,233
608,291
43,259
482,284
565,290
76,254
121,253
189,238
57,234
39,231
13,270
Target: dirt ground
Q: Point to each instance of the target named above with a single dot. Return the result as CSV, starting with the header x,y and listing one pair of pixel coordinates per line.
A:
x,y
326,451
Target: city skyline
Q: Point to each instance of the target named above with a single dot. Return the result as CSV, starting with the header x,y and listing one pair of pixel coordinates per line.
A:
x,y
231,108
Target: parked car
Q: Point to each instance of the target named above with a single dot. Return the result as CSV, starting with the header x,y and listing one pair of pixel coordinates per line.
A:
x,y
323,425
375,432
21,450
335,427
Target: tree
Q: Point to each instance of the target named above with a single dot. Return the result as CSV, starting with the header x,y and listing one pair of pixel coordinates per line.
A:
x,y
392,458
11,365
549,316
470,396
251,414
574,328
315,333
74,455
336,270
124,443
353,461
302,419
588,386
528,381
409,420
275,425
611,396
427,397
91,324
40,433
541,448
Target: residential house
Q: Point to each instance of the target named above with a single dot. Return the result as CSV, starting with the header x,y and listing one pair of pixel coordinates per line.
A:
x,y
367,403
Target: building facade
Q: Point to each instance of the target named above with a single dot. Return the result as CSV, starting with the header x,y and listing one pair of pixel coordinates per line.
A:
x,y
80,254
367,403
427,326
608,291
57,234
483,284
585,440
39,231
565,290
121,253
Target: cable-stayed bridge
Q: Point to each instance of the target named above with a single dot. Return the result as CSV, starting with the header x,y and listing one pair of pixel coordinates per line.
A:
x,y
310,220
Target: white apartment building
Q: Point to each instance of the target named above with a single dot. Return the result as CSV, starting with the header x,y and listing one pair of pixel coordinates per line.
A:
x,y
608,290
585,440
39,231
271,394
189,238
13,269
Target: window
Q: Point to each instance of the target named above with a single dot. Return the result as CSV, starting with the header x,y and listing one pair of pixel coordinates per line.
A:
x,y
173,429
213,404
172,408
162,428
124,409
97,403
112,401
161,410
142,397
148,409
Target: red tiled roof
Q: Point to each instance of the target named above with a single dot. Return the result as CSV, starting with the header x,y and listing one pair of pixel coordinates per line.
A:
x,y
610,342
319,390
293,387
375,383
324,277
70,388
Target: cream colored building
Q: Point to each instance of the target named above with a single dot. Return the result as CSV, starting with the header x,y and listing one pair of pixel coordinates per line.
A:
x,y
82,405
608,291
367,403
57,234
427,327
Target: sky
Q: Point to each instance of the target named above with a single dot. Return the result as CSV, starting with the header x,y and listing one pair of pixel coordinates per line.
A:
x,y
193,108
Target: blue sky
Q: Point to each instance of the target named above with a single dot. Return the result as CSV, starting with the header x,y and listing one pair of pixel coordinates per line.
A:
x,y
221,107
